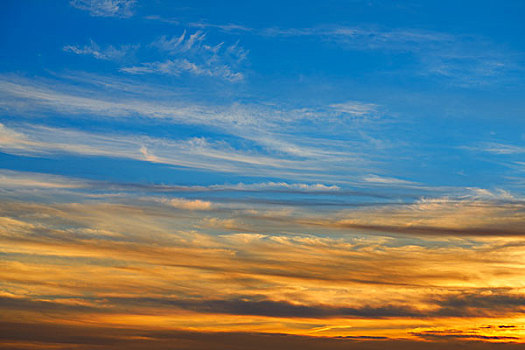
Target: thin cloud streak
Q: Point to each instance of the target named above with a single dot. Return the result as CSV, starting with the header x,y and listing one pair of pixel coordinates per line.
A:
x,y
105,8
109,53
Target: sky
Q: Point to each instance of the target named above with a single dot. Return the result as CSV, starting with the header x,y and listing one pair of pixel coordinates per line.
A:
x,y
262,174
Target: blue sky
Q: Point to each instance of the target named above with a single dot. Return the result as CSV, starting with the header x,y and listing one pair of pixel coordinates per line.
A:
x,y
424,93
429,93
293,155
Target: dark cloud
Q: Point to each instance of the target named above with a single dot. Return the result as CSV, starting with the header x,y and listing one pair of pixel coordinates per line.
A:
x,y
105,338
470,304
460,335
517,230
26,304
271,308
461,305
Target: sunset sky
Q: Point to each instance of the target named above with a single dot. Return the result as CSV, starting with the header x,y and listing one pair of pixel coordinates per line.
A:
x,y
262,174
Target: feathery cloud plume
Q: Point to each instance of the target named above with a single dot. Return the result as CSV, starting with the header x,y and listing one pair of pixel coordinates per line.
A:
x,y
105,8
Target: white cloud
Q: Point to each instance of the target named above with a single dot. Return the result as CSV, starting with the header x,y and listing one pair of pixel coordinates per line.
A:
x,y
20,179
270,136
180,54
109,53
363,38
105,8
463,60
386,180
192,54
300,187
178,66
188,204
231,27
254,123
194,152
184,43
500,148
498,194
355,108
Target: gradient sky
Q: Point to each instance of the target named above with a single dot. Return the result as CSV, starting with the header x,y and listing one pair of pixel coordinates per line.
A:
x,y
262,174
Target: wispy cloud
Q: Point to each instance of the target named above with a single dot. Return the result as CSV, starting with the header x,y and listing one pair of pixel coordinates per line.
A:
x,y
17,179
500,148
355,108
277,132
191,54
21,180
184,54
372,178
230,27
110,52
187,204
192,42
194,152
265,186
362,38
505,154
106,8
178,66
463,60
444,215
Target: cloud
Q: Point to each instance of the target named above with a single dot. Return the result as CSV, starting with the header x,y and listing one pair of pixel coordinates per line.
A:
x,y
362,38
268,134
23,179
227,224
231,27
497,194
185,54
113,265
18,179
178,66
354,108
463,60
271,308
252,122
506,154
433,335
193,152
134,260
106,8
104,337
481,304
188,204
196,44
442,216
500,148
19,304
305,163
275,186
455,306
386,180
193,42
110,53
191,54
